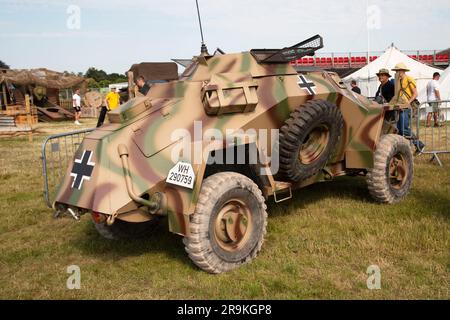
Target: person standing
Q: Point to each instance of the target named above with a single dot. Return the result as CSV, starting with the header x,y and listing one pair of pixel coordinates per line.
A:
x,y
112,101
386,90
76,103
355,87
408,95
433,96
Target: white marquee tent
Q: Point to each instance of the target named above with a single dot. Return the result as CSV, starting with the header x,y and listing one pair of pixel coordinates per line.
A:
x,y
445,84
444,89
368,81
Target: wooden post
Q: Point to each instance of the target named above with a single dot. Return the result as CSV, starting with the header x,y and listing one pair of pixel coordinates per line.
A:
x,y
396,98
29,121
130,85
5,99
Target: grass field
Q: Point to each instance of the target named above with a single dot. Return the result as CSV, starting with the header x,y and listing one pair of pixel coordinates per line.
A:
x,y
318,246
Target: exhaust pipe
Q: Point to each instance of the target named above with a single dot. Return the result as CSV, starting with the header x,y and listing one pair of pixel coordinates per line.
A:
x,y
153,206
63,210
74,215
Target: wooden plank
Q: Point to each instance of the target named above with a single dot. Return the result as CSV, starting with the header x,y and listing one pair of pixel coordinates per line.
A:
x,y
5,100
7,121
29,121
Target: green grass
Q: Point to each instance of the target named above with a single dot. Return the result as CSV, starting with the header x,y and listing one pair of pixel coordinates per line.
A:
x,y
318,245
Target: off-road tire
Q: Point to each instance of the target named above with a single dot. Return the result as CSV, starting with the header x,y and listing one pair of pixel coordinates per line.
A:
x,y
313,116
379,178
120,229
202,245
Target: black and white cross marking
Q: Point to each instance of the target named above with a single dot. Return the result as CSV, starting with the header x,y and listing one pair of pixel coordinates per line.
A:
x,y
82,169
306,84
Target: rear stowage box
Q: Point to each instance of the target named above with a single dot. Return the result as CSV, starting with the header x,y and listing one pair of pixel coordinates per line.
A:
x,y
230,93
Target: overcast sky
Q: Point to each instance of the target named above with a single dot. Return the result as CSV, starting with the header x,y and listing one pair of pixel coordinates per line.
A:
x,y
113,34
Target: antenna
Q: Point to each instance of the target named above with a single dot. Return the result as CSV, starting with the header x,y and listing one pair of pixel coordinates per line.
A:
x,y
203,49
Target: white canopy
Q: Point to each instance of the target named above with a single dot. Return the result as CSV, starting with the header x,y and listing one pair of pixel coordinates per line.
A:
x,y
368,81
444,84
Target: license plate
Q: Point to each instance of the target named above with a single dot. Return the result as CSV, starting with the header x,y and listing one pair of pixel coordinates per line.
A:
x,y
182,174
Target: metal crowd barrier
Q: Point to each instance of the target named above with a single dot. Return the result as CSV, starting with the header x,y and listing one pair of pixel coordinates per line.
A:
x,y
431,126
57,152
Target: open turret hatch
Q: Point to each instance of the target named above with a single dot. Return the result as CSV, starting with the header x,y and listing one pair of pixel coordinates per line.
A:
x,y
286,55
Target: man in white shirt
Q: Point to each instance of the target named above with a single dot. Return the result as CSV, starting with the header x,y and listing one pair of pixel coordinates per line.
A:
x,y
433,95
76,102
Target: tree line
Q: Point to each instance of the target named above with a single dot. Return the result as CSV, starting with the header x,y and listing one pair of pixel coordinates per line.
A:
x,y
101,79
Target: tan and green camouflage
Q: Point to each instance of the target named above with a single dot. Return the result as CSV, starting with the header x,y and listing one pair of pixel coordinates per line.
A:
x,y
140,131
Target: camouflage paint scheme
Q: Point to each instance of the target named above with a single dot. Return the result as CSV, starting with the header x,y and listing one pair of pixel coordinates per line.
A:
x,y
144,125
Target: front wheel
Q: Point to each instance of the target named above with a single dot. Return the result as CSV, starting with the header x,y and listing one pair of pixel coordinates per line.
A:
x,y
229,223
391,177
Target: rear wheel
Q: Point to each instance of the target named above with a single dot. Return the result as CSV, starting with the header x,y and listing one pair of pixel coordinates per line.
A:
x,y
391,177
229,223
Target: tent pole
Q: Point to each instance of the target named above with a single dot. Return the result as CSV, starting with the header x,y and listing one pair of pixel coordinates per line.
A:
x,y
368,48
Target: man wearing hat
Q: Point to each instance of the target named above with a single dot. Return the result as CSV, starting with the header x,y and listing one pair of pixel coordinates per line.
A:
x,y
407,94
408,87
386,90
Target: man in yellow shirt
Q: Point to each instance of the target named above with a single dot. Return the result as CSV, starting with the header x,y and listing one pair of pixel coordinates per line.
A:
x,y
112,101
408,94
408,86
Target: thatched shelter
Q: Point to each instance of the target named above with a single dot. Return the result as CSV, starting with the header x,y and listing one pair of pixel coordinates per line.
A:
x,y
42,86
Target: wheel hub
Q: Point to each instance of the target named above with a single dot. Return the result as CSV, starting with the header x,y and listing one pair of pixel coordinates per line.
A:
x,y
314,144
398,171
233,225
